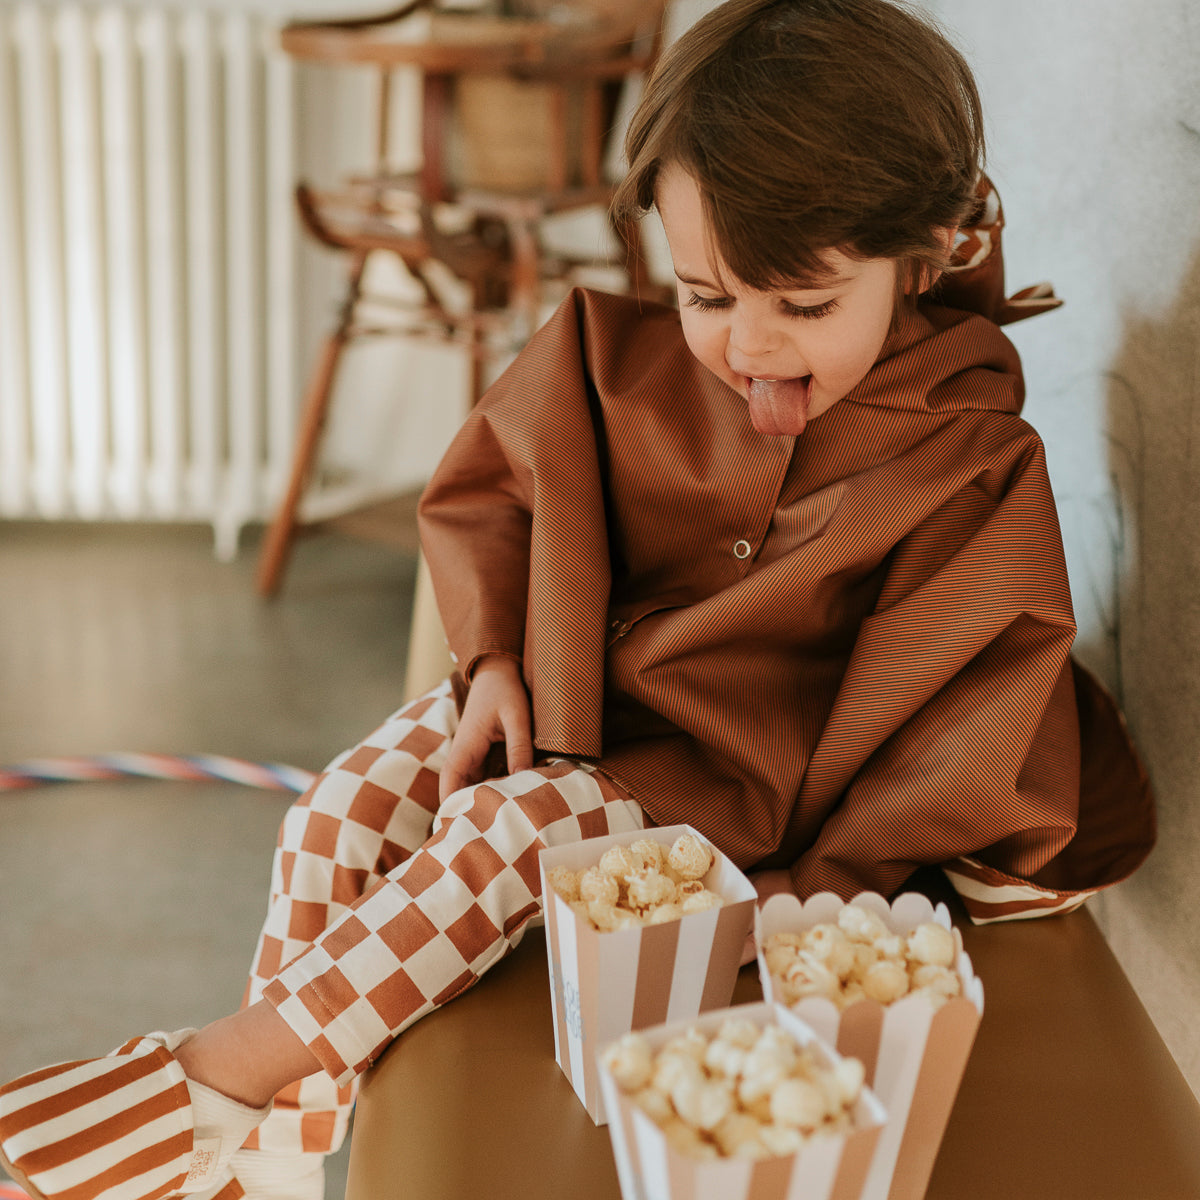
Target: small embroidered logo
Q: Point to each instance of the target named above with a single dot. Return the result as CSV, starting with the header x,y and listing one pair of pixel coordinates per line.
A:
x,y
206,1153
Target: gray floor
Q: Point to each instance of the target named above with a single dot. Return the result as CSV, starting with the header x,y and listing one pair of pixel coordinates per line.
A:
x,y
134,905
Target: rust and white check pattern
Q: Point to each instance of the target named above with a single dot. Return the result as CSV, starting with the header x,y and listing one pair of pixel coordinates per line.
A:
x,y
395,904
370,809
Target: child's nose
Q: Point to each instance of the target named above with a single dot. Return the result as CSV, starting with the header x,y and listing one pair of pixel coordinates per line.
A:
x,y
751,338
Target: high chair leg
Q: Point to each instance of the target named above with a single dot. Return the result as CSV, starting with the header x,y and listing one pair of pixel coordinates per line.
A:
x,y
276,547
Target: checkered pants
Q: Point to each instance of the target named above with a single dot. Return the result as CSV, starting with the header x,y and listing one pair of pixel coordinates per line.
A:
x,y
385,904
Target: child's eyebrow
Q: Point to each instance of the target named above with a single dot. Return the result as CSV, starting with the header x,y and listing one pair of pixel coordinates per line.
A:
x,y
696,282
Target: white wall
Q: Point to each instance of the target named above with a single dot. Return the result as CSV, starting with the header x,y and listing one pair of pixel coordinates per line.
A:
x,y
1094,125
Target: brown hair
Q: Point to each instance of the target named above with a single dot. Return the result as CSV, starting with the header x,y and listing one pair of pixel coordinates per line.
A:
x,y
810,125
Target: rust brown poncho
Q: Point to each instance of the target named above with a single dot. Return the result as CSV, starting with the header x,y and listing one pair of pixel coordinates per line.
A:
x,y
845,652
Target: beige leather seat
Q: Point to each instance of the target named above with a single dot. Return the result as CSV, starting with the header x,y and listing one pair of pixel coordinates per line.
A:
x,y
1070,1093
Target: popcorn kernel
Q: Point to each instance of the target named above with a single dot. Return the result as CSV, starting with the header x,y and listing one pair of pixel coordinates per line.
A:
x,y
690,857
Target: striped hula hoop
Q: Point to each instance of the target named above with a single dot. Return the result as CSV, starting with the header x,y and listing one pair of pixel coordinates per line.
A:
x,y
187,767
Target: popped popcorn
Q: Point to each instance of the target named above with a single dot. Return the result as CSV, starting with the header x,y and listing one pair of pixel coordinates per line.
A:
x,y
860,924
860,958
831,946
847,1080
725,1058
646,887
798,1103
630,1061
597,886
701,901
739,1031
565,882
760,1076
702,1103
807,975
648,853
655,1104
689,857
610,917
941,981
748,1091
739,1134
618,862
672,1068
692,1043
885,980
782,1139
685,1139
644,883
933,944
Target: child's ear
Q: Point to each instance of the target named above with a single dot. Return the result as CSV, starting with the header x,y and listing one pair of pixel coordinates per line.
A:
x,y
944,236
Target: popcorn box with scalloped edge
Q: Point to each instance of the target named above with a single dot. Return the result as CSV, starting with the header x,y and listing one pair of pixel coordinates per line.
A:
x,y
603,984
914,1051
829,1166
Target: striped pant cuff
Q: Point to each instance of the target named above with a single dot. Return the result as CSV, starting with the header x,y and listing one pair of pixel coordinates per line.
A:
x,y
122,1125
990,895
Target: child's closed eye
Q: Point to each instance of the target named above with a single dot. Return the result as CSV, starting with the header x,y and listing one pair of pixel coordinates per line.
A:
x,y
807,312
810,312
708,303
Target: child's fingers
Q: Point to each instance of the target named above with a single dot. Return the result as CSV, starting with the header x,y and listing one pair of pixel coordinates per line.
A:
x,y
452,781
464,764
497,710
518,739
520,757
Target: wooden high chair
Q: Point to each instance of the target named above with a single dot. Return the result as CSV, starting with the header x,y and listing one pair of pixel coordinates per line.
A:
x,y
481,222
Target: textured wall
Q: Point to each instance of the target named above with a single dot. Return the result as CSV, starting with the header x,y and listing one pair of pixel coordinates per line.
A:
x,y
1094,121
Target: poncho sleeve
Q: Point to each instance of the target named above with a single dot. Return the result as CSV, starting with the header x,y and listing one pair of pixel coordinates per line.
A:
x,y
957,735
517,498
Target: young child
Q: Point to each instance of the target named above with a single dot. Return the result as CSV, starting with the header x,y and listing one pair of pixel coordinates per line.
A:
x,y
783,564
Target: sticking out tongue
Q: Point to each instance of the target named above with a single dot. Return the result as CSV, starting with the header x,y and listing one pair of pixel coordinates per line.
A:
x,y
779,406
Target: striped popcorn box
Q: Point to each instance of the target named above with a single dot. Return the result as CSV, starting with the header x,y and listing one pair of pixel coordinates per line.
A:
x,y
826,1166
603,984
914,1047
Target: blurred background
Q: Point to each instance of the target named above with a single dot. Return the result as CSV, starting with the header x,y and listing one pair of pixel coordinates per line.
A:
x,y
160,311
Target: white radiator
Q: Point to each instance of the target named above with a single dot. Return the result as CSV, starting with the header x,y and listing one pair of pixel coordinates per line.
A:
x,y
148,265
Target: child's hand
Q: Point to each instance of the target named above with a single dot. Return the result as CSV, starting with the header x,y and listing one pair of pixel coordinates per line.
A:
x,y
497,710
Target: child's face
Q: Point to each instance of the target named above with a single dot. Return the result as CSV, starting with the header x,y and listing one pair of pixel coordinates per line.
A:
x,y
790,353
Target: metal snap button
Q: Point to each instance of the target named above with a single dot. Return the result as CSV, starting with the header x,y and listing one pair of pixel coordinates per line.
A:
x,y
741,548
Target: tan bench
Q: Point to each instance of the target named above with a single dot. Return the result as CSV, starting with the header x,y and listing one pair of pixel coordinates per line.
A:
x,y
1070,1093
